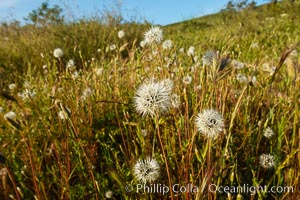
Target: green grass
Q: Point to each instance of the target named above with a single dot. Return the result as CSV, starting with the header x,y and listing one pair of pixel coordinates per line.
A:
x,y
94,149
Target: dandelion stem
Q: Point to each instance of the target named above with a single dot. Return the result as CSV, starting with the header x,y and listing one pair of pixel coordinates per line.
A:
x,y
164,154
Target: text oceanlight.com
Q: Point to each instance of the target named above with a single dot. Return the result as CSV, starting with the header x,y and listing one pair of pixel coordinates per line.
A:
x,y
246,188
213,188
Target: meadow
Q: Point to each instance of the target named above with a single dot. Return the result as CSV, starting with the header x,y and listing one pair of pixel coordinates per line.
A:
x,y
99,109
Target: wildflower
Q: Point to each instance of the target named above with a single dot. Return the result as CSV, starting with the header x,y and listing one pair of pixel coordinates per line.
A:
x,y
175,101
12,86
254,79
168,83
153,35
86,93
44,67
71,64
181,50
268,132
75,75
109,194
241,78
207,58
187,80
121,34
27,94
191,51
237,64
199,87
268,68
267,161
112,47
146,170
10,115
167,44
99,71
153,98
210,123
58,53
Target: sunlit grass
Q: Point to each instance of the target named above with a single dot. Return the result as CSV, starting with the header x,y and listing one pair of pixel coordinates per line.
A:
x,y
77,133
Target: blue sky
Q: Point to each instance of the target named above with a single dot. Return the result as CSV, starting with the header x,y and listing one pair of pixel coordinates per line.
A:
x,y
155,11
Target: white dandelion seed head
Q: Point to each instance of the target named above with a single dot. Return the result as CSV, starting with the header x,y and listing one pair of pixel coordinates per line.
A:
x,y
268,132
62,115
153,98
237,64
187,79
12,86
168,83
86,93
241,78
144,132
10,115
191,51
199,87
208,57
268,68
167,44
75,75
112,47
210,123
99,71
27,94
109,194
153,35
267,161
175,100
146,170
71,64
121,34
58,53
254,79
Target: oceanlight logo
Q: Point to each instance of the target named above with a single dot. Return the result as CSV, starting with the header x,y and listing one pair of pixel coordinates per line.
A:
x,y
246,188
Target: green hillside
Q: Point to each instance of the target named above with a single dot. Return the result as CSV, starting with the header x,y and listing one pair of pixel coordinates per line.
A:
x,y
100,108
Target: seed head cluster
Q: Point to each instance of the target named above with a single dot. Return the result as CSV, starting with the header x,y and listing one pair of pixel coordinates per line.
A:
x,y
153,35
210,123
267,161
268,132
146,170
153,98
